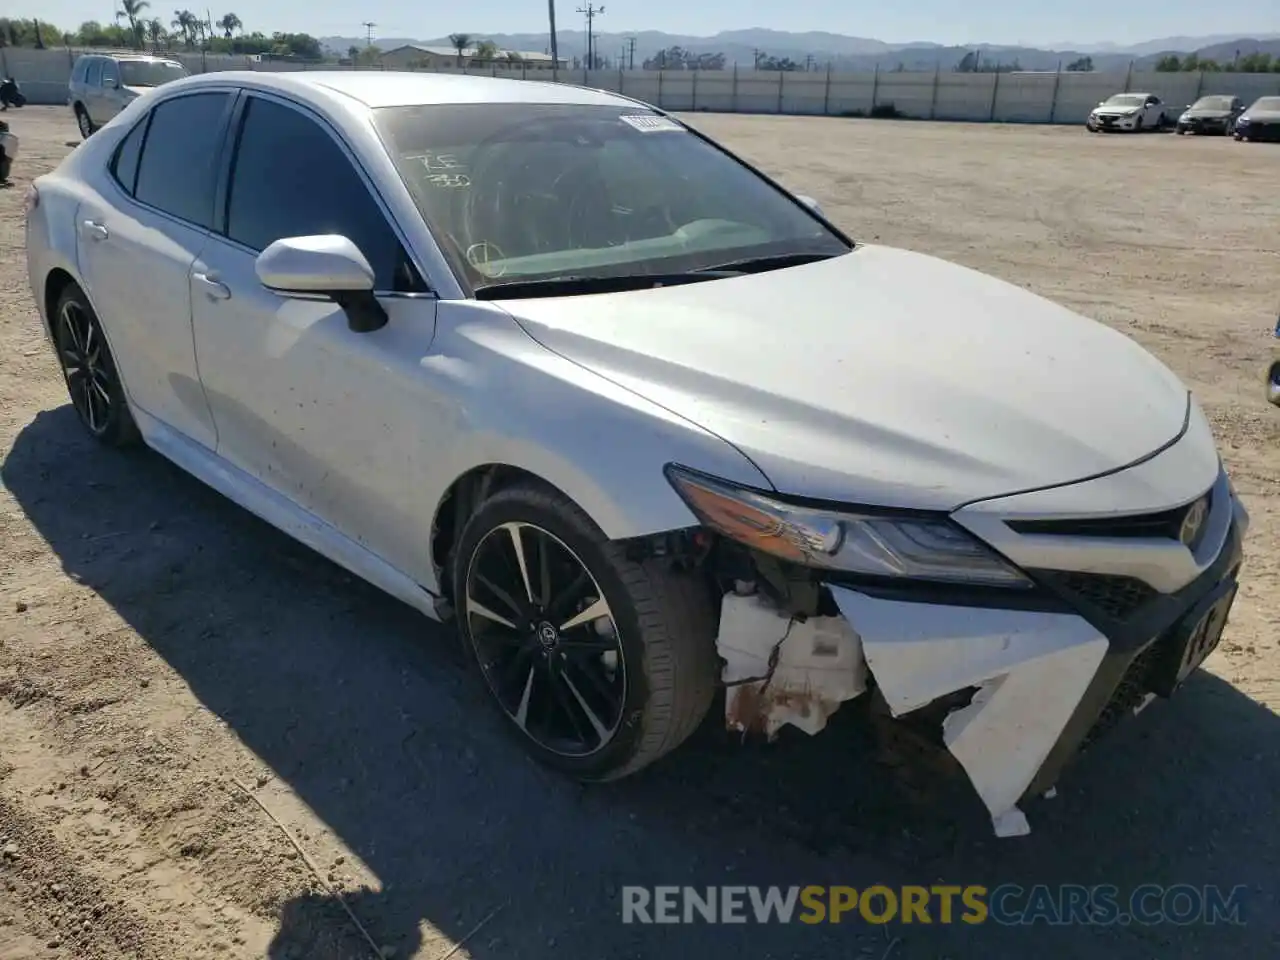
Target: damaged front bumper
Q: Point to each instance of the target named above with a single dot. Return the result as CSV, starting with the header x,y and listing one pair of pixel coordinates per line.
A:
x,y
1115,620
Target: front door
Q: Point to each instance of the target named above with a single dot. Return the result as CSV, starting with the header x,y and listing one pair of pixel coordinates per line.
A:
x,y
137,244
339,422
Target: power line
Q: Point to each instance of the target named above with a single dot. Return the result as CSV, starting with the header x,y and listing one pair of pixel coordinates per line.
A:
x,y
590,11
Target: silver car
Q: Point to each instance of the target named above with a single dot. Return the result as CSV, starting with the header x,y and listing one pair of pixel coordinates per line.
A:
x,y
102,85
548,363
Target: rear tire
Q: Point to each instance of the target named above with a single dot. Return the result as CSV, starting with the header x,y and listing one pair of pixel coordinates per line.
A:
x,y
89,370
83,122
596,695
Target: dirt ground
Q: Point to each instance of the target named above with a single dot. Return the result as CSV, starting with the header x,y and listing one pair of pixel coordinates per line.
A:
x,y
163,654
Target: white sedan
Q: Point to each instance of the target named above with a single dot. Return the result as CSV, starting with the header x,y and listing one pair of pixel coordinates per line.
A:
x,y
1134,112
548,362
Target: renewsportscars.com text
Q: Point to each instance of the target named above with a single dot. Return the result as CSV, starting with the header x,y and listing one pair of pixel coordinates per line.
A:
x,y
1008,905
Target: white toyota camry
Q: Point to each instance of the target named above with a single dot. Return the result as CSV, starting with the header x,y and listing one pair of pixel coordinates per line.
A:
x,y
548,362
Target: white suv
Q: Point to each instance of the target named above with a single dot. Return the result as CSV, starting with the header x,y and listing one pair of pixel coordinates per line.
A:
x,y
101,86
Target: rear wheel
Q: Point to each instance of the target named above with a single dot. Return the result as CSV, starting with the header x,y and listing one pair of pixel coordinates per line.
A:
x,y
83,122
90,371
600,664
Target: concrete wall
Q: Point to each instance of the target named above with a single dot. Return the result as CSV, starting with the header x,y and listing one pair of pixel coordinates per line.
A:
x,y
1007,97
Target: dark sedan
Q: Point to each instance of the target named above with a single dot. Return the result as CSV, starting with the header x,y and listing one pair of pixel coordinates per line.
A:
x,y
1261,121
1214,114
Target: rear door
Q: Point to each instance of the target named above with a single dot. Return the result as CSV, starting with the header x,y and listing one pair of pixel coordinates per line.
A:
x,y
112,94
137,243
92,94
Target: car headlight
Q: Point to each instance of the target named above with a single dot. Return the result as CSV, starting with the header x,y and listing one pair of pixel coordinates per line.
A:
x,y
871,543
1242,121
1185,116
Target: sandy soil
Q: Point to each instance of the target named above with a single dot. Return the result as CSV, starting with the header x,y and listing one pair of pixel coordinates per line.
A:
x,y
161,649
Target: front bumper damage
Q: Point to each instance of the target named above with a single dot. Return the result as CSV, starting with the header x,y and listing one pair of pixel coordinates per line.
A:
x,y
1044,679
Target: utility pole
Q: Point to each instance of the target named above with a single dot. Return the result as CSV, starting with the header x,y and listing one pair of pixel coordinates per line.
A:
x,y
631,53
551,18
368,32
591,11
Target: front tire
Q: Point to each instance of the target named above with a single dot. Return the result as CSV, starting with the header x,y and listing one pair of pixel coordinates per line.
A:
x,y
600,664
89,370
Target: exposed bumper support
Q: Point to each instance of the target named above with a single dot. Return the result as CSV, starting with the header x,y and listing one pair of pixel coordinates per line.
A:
x,y
1031,670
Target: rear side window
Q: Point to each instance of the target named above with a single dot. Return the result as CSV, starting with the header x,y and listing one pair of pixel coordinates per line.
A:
x,y
93,74
178,169
77,74
124,165
290,179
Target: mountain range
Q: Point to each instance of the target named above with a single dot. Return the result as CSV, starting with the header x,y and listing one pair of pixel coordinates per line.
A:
x,y
849,53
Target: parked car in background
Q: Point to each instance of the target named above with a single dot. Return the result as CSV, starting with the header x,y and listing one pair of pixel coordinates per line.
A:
x,y
1213,114
8,150
1261,121
1273,372
102,85
1127,111
548,362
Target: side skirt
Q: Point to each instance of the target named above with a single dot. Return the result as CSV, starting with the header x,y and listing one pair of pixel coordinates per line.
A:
x,y
282,513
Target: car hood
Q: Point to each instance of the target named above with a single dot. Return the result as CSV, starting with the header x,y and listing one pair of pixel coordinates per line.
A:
x,y
137,91
1262,116
1116,111
1207,114
882,376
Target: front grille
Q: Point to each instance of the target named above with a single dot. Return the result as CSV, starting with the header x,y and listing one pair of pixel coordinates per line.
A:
x,y
1116,596
1128,694
1165,525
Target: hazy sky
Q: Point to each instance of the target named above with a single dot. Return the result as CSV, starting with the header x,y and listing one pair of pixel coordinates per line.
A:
x,y
942,21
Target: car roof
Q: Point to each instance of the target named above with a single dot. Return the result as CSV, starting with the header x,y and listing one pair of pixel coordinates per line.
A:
x,y
391,88
126,56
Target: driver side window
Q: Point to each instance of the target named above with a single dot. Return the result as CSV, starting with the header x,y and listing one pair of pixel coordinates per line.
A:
x,y
290,178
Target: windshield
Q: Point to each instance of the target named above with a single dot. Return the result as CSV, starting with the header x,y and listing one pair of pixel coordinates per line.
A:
x,y
1127,100
518,192
150,73
1212,103
1266,103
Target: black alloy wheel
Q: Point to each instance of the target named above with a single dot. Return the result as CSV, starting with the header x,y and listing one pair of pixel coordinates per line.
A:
x,y
601,664
90,371
545,639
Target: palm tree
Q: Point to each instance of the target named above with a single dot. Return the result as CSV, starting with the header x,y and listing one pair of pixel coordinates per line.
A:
x,y
130,10
155,33
460,42
185,21
229,24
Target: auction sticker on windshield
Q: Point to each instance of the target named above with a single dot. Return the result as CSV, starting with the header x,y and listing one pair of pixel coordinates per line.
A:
x,y
648,123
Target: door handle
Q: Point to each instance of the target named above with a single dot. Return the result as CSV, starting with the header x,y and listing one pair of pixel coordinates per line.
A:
x,y
214,287
95,230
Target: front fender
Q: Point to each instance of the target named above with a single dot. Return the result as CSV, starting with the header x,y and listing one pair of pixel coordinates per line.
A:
x,y
602,445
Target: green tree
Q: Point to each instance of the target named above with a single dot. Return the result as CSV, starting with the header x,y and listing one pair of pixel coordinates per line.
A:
x,y
1083,65
186,23
486,50
1170,63
131,10
229,23
156,34
460,42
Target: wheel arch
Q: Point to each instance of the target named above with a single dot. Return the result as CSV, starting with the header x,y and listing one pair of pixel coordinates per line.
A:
x,y
465,494
55,284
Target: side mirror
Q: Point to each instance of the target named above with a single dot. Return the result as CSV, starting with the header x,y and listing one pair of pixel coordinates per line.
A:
x,y
327,265
809,202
